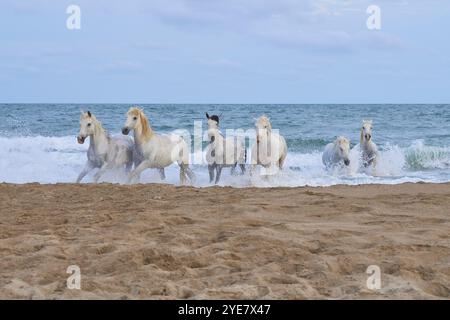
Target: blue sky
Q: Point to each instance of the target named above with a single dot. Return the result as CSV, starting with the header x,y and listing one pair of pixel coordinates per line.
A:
x,y
225,51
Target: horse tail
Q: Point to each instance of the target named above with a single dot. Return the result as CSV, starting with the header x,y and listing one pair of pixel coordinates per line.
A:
x,y
184,157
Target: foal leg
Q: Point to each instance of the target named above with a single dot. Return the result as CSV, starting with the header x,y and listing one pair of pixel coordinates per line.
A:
x,y
218,172
162,173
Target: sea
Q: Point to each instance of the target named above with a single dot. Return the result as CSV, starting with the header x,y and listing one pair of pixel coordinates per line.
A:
x,y
38,141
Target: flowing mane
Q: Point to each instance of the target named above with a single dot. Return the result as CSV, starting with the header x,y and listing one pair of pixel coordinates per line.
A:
x,y
146,129
99,128
154,150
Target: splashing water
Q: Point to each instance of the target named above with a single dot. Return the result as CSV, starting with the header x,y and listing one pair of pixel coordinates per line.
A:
x,y
37,143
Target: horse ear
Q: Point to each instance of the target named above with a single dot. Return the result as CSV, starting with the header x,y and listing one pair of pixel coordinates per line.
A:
x,y
89,114
207,115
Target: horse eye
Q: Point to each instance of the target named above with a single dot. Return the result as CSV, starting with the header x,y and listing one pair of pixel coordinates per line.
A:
x,y
89,125
135,118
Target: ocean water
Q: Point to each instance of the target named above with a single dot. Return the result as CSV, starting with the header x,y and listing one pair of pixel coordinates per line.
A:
x,y
38,141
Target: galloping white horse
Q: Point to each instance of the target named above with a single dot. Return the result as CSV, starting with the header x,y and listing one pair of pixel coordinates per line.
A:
x,y
270,148
223,152
369,149
154,150
337,153
104,152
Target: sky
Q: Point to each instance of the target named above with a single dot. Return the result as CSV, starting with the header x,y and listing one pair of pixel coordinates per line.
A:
x,y
225,51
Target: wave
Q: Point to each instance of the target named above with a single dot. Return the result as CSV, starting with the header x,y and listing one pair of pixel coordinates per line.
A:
x,y
60,159
420,156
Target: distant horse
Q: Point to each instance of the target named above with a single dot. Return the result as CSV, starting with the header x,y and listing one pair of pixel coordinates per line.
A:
x,y
104,152
369,150
223,152
155,150
270,148
337,153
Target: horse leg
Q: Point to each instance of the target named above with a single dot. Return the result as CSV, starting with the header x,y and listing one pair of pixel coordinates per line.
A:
x,y
100,172
162,173
233,169
189,173
252,169
136,173
211,168
218,172
182,175
281,161
242,166
85,171
128,167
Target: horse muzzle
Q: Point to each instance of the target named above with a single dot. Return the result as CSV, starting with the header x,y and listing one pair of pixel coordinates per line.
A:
x,y
368,137
81,139
347,162
125,131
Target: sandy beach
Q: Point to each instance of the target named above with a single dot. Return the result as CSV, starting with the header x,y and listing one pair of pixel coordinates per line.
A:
x,y
165,242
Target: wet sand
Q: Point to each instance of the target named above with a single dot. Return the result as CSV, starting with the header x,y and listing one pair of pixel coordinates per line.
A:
x,y
165,242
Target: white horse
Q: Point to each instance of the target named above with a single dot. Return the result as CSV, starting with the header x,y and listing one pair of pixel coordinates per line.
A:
x,y
270,148
154,150
337,153
104,152
369,150
223,152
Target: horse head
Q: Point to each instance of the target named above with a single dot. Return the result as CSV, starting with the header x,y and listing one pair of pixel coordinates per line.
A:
x,y
87,126
136,119
213,121
366,131
342,146
263,128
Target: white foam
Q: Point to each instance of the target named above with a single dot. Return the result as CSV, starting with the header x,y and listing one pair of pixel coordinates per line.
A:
x,y
60,159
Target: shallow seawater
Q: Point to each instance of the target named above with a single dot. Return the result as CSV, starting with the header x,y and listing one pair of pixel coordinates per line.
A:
x,y
38,142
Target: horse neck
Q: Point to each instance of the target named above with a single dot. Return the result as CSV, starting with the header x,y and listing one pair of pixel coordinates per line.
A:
x,y
366,145
100,136
216,133
143,133
336,145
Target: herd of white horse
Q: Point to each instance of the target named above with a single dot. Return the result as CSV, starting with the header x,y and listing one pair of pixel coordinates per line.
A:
x,y
149,149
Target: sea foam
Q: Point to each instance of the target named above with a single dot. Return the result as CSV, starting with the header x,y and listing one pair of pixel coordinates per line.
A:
x,y
60,159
